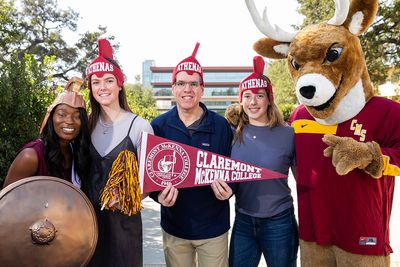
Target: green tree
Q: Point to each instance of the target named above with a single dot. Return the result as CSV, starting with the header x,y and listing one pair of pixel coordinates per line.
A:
x,y
36,26
141,101
380,42
23,102
394,78
282,83
34,57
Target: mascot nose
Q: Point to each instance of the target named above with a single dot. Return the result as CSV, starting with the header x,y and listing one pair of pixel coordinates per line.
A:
x,y
307,91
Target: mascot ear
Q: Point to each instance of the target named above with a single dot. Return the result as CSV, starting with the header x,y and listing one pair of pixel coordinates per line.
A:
x,y
271,49
360,16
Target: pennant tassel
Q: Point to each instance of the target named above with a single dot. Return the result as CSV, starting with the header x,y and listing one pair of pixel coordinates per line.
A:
x,y
122,190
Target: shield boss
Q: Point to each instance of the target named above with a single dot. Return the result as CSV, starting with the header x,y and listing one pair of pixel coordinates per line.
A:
x,y
46,221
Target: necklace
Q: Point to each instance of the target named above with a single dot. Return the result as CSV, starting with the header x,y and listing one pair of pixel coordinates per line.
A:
x,y
106,127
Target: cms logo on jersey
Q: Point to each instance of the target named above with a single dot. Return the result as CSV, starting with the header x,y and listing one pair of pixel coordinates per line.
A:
x,y
358,130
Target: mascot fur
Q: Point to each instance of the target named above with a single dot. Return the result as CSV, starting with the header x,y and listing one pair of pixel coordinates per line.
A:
x,y
347,140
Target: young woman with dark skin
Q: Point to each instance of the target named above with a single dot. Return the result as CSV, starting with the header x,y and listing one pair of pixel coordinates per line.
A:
x,y
63,147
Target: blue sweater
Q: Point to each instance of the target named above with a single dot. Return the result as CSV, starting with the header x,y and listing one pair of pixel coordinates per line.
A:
x,y
197,213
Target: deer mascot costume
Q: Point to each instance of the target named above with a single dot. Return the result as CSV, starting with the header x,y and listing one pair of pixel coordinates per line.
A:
x,y
347,140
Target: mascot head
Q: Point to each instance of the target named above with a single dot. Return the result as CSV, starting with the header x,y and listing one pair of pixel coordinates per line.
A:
x,y
325,60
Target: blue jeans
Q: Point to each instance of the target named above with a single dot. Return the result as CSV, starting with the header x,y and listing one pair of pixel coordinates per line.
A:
x,y
275,237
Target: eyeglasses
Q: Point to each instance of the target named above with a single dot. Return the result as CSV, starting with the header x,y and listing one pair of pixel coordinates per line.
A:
x,y
182,84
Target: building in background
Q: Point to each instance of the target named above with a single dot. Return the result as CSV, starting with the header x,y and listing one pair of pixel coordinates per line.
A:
x,y
221,84
389,90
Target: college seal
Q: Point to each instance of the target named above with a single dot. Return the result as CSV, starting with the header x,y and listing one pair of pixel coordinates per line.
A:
x,y
167,163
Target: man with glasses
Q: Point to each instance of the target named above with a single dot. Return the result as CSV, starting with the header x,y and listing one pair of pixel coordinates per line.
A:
x,y
197,220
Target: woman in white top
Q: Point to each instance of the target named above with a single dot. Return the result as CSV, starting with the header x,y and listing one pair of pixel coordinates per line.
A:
x,y
115,132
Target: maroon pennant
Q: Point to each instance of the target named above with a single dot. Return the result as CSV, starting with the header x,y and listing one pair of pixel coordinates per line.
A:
x,y
163,161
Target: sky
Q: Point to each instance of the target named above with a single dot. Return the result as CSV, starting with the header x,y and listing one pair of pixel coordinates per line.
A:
x,y
167,30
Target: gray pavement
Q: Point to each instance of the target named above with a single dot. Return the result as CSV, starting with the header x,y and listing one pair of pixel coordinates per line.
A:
x,y
152,239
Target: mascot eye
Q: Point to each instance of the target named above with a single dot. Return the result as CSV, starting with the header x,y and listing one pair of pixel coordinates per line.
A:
x,y
295,65
333,54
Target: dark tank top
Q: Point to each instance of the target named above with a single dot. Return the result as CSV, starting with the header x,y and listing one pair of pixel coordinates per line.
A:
x,y
120,241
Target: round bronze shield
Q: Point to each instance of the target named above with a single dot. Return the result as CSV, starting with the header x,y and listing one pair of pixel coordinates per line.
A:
x,y
46,221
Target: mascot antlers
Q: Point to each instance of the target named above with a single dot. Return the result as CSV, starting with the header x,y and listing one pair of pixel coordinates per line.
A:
x,y
330,75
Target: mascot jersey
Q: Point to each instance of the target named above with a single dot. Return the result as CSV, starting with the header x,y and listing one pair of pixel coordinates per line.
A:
x,y
348,211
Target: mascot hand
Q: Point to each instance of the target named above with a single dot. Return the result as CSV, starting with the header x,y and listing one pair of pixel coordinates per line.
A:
x,y
348,154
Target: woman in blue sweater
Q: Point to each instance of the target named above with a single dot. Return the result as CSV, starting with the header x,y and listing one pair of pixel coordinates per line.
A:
x,y
265,222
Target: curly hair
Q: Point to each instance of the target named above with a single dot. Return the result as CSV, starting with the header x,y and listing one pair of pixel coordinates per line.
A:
x,y
80,150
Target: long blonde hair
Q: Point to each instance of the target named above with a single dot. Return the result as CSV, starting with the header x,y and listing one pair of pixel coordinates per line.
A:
x,y
274,116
